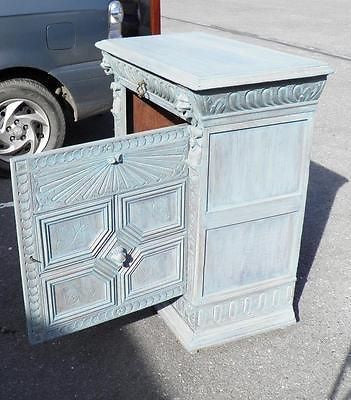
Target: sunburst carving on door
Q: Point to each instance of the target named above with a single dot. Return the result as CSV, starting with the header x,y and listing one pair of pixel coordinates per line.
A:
x,y
63,183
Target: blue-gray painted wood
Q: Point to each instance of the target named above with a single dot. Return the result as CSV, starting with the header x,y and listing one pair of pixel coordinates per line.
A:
x,y
276,152
101,229
216,205
200,61
248,172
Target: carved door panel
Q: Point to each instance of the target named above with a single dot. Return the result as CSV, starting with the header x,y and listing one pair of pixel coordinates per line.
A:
x,y
101,229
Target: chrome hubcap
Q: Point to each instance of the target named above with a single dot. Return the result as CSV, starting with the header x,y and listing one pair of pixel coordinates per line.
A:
x,y
24,128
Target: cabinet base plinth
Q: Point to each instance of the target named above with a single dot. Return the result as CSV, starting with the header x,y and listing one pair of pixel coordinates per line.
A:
x,y
195,340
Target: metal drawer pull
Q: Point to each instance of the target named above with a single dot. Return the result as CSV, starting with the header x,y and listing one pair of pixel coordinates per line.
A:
x,y
141,89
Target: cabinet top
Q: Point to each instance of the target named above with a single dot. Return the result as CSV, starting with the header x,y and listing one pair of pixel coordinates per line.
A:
x,y
201,61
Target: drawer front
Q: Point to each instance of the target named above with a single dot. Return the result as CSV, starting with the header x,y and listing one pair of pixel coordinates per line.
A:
x,y
101,229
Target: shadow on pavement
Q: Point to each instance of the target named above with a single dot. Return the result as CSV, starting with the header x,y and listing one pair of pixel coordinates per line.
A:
x,y
103,362
322,189
90,129
339,380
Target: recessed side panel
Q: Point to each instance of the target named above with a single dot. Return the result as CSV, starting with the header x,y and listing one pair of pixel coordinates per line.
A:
x,y
148,215
248,253
75,234
254,164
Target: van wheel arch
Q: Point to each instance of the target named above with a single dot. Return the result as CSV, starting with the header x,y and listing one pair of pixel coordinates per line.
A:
x,y
55,87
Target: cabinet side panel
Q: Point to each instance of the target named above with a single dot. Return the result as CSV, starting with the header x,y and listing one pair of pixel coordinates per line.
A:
x,y
248,253
253,164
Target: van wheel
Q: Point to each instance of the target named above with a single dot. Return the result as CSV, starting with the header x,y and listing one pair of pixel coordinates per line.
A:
x,y
31,120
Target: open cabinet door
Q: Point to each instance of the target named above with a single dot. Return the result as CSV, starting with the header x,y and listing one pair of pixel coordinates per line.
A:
x,y
101,229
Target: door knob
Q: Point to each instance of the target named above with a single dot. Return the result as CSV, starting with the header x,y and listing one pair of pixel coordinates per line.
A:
x,y
119,256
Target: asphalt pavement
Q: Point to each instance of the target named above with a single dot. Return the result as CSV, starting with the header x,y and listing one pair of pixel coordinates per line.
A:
x,y
136,357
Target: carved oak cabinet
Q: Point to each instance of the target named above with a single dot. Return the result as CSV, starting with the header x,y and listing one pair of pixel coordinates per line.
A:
x,y
202,218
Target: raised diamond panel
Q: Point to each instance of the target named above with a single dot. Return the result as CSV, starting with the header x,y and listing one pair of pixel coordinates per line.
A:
x,y
80,292
154,267
149,215
75,234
